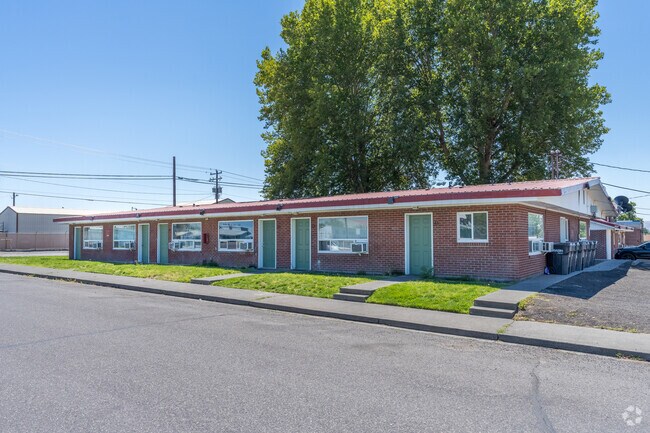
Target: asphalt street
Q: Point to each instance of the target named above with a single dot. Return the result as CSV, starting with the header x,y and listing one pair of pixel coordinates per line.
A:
x,y
78,358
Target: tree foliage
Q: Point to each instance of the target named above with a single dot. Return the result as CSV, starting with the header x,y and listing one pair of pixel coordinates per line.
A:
x,y
384,94
629,215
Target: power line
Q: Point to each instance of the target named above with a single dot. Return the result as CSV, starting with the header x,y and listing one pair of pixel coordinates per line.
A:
x,y
629,189
82,175
621,168
100,189
129,158
84,199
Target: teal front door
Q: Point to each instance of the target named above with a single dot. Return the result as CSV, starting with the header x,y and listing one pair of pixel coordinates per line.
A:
x,y
268,244
76,254
163,244
420,244
301,244
144,243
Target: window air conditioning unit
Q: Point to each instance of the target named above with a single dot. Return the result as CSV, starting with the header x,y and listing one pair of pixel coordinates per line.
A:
x,y
172,246
359,248
547,247
593,209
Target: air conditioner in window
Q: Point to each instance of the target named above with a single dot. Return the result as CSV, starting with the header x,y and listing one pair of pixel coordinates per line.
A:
x,y
547,247
359,248
172,246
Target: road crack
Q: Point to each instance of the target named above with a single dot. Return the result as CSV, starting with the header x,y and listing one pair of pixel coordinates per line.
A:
x,y
538,408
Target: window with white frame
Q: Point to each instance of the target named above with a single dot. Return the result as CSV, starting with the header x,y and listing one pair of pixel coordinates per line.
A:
x,y
186,237
583,230
535,233
93,238
564,229
124,237
343,234
236,235
472,226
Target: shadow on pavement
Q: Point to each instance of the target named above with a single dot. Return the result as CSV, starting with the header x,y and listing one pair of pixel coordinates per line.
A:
x,y
587,284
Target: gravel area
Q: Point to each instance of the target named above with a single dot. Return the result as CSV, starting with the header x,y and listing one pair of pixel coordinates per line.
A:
x,y
617,299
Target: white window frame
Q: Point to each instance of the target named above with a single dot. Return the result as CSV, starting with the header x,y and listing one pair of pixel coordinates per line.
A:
x,y
564,226
91,244
536,240
132,242
239,242
580,223
193,241
365,242
472,239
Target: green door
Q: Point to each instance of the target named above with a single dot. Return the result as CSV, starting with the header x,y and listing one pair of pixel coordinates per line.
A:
x,y
77,244
144,243
163,244
268,244
420,242
301,244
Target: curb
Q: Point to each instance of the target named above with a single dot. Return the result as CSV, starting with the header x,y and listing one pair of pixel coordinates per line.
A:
x,y
573,347
258,303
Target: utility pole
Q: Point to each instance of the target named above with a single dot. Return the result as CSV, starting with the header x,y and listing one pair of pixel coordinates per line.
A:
x,y
174,180
555,163
217,188
14,195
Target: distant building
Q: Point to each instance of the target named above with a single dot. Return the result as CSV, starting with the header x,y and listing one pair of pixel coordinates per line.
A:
x,y
635,237
23,228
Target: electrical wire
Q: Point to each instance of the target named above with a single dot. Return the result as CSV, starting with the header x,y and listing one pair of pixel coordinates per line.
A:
x,y
83,199
104,189
629,189
621,168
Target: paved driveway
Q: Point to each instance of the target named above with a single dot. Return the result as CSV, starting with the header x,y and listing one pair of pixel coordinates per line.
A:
x,y
617,299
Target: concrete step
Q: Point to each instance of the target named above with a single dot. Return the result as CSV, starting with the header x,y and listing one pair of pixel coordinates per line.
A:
x,y
492,312
503,305
352,290
350,297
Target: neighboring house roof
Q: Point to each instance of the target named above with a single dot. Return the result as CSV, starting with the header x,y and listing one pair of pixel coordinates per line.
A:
x,y
49,211
633,224
598,224
517,191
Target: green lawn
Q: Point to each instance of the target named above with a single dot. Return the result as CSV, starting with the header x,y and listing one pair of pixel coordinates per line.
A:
x,y
317,285
453,296
159,272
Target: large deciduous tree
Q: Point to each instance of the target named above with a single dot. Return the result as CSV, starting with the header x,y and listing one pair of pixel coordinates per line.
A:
x,y
383,94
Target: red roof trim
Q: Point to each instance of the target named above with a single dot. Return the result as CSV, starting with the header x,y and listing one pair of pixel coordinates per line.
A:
x,y
515,190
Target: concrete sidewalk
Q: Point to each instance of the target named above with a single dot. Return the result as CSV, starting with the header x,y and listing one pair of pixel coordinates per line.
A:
x,y
572,338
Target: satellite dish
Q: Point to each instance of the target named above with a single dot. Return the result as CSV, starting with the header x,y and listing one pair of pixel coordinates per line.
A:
x,y
623,203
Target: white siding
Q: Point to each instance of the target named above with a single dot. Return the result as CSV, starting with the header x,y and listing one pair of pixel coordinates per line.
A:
x,y
8,220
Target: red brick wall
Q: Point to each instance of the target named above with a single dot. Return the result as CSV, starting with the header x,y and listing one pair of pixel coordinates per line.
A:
x,y
634,238
504,256
601,248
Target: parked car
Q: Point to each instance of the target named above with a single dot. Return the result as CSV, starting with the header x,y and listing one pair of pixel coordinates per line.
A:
x,y
632,253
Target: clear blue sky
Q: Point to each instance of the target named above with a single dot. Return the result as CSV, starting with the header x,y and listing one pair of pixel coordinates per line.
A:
x,y
82,81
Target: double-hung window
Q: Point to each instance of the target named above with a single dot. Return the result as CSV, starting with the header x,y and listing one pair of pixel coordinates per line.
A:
x,y
343,234
186,237
124,237
535,233
472,226
93,237
236,235
583,230
564,229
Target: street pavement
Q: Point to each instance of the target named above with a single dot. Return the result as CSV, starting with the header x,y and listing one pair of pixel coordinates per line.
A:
x,y
80,358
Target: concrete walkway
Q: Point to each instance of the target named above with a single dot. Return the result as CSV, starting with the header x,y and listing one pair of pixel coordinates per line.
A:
x,y
573,338
207,281
505,302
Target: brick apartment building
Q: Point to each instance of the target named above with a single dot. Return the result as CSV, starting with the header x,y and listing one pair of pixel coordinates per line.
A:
x,y
485,231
